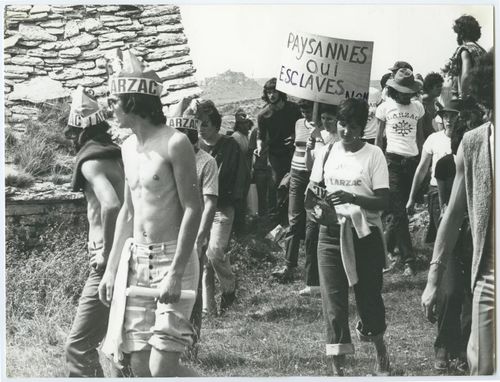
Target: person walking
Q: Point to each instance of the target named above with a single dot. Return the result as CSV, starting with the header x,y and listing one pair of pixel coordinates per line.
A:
x,y
98,172
400,116
352,252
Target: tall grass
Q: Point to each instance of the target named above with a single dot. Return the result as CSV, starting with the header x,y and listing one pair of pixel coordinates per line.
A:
x,y
42,149
270,331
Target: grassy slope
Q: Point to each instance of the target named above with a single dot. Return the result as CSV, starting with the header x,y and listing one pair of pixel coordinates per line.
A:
x,y
272,331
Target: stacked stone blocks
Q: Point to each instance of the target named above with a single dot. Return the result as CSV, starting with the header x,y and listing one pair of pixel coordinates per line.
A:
x,y
70,44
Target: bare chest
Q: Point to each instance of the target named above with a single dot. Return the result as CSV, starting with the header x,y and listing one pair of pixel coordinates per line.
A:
x,y
148,171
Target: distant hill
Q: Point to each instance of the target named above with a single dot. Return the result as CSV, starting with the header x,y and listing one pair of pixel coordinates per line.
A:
x,y
230,87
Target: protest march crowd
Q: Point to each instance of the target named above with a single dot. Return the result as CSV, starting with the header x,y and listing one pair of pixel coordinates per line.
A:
x,y
344,178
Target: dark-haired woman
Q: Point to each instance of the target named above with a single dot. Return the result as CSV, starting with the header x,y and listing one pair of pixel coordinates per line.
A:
x,y
352,252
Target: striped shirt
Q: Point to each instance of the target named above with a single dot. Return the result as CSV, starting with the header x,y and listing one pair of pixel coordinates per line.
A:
x,y
303,130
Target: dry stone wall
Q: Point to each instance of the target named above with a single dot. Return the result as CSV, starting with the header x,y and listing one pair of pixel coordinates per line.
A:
x,y
50,50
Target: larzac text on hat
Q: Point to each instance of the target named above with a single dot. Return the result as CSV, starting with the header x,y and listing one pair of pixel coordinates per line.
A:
x,y
77,120
124,85
183,123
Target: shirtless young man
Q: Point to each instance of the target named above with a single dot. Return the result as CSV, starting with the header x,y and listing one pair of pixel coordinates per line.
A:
x,y
161,212
99,174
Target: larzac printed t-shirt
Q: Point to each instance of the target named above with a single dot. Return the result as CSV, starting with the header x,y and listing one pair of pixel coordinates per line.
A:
x,y
361,173
437,145
401,126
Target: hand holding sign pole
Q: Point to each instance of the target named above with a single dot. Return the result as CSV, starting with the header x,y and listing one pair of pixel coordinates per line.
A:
x,y
324,69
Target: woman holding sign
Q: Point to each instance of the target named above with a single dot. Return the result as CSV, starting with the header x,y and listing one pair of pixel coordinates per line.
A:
x,y
351,250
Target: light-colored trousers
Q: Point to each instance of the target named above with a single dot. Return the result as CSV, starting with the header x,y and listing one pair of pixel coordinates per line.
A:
x,y
218,263
481,346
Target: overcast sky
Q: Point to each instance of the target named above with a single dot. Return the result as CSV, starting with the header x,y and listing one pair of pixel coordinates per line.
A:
x,y
249,38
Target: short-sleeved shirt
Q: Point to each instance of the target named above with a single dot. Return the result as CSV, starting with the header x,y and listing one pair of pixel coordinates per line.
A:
x,y
437,145
231,169
374,98
303,130
401,126
207,173
360,172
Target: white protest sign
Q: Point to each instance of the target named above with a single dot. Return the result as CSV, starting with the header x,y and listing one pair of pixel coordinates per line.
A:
x,y
325,69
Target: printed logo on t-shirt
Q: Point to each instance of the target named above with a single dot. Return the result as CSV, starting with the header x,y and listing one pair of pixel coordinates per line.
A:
x,y
402,128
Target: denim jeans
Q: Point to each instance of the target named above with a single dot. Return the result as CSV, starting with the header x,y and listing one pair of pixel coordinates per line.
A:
x,y
266,191
88,330
370,258
300,224
454,299
218,263
196,314
280,165
397,232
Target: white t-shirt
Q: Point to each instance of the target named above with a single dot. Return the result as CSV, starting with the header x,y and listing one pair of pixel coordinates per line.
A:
x,y
374,98
437,145
401,126
361,173
207,173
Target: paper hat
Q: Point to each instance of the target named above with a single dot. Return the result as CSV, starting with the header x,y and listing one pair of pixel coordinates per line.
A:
x,y
182,115
129,75
85,110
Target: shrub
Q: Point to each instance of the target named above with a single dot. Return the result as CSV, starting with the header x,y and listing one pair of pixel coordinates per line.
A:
x,y
33,154
36,153
19,179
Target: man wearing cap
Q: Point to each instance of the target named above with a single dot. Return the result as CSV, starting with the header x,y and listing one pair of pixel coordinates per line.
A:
x,y
232,178
156,229
400,117
436,146
276,129
99,174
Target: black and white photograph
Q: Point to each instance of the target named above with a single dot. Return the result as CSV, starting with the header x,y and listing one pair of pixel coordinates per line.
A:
x,y
249,189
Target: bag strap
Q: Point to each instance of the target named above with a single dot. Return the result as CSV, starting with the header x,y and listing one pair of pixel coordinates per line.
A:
x,y
330,145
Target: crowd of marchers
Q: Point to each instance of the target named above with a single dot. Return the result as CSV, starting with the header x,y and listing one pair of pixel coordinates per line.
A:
x,y
343,179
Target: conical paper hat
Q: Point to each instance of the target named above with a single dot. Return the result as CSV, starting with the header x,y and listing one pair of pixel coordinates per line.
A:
x,y
85,110
182,115
128,75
